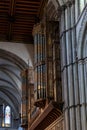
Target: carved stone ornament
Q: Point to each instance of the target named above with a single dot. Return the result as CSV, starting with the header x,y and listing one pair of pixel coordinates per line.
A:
x,y
38,28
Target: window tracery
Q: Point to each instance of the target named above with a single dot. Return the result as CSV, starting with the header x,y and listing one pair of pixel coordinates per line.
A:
x,y
5,115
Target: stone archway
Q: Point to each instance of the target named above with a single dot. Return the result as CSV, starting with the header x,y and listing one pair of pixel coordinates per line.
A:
x,y
10,82
82,70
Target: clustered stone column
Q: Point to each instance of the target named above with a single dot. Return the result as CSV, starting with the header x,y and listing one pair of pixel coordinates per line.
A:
x,y
82,95
1,115
75,116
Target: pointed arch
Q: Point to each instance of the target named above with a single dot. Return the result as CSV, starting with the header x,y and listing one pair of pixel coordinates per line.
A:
x,y
10,80
82,36
7,116
13,58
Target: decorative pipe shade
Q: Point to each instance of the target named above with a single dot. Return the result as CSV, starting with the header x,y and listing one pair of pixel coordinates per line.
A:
x,y
61,2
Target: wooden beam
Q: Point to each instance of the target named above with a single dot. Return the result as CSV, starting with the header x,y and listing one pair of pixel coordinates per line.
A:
x,y
26,9
25,12
28,2
26,6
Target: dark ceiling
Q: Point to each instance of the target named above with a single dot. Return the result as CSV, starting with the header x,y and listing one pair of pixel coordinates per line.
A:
x,y
17,18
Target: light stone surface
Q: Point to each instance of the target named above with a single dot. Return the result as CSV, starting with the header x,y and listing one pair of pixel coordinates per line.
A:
x,y
24,51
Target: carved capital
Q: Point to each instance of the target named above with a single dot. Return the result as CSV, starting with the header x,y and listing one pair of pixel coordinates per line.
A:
x,y
68,3
37,29
63,7
73,2
23,73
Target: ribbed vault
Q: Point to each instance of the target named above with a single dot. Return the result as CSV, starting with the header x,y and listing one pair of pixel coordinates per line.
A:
x,y
10,80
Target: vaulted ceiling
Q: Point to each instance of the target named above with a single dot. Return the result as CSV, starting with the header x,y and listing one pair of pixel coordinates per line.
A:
x,y
11,67
17,18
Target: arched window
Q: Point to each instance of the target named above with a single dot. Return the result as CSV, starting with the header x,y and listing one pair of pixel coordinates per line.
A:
x,y
7,116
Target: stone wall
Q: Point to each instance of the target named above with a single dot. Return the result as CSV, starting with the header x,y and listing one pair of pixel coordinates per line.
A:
x,y
24,51
73,39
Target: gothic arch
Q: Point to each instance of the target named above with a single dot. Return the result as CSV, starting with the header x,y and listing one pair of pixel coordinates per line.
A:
x,y
82,37
82,69
13,58
84,50
10,80
53,11
7,99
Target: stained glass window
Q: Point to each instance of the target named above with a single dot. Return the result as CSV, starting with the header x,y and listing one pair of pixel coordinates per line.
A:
x,y
7,116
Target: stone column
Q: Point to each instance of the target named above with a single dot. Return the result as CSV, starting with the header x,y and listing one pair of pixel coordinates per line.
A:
x,y
75,68
73,73
85,76
82,95
77,10
70,67
64,70
68,82
1,115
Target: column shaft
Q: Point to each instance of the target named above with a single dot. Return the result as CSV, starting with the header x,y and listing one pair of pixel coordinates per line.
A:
x,y
82,94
